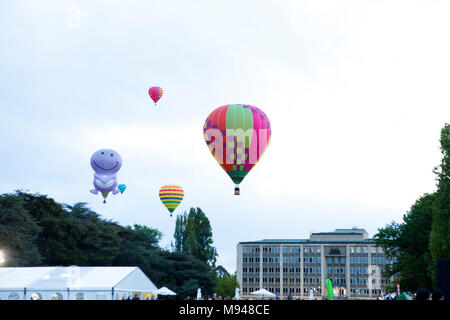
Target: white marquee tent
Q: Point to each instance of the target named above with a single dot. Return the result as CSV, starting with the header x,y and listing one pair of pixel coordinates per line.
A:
x,y
73,283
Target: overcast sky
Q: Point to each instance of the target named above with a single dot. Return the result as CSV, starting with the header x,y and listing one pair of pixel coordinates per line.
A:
x,y
356,92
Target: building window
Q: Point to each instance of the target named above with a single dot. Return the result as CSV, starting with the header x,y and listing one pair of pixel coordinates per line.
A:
x,y
352,260
352,270
342,260
358,260
358,249
329,260
364,249
366,260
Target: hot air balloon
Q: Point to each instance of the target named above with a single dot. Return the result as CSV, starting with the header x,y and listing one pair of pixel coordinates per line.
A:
x,y
106,163
121,187
171,196
155,93
237,135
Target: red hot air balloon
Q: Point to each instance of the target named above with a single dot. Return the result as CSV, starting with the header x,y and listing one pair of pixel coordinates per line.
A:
x,y
155,93
237,136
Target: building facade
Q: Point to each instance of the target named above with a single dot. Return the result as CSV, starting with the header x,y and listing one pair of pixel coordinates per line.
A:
x,y
300,267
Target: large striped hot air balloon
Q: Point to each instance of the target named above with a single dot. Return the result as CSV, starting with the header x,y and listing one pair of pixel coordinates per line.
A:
x,y
171,196
155,93
237,135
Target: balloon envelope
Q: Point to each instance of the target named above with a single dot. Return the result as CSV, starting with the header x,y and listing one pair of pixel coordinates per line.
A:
x,y
237,136
155,93
171,196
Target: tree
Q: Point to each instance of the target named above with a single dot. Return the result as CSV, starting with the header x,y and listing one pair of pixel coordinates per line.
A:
x,y
440,231
193,235
18,233
226,283
185,273
35,230
408,243
424,235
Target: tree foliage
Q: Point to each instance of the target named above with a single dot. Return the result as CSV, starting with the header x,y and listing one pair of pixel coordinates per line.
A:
x,y
35,230
440,231
424,235
226,283
193,235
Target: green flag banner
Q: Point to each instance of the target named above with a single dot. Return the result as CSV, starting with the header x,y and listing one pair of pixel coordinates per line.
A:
x,y
330,289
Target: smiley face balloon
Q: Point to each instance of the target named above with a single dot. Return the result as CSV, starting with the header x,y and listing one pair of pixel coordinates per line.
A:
x,y
106,163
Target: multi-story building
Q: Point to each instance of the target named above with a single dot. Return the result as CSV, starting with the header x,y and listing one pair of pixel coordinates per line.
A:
x,y
296,267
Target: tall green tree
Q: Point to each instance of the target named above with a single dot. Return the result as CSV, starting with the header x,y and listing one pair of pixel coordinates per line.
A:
x,y
424,235
440,231
193,235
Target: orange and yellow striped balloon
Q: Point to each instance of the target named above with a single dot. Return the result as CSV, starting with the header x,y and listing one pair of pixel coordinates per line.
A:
x,y
171,196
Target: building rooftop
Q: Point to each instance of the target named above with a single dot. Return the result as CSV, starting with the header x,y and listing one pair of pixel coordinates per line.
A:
x,y
345,236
